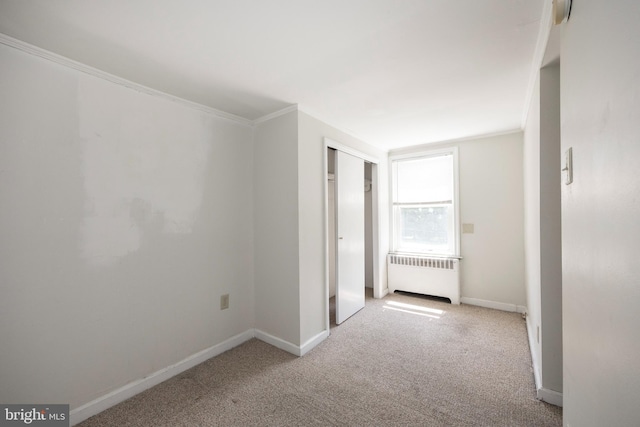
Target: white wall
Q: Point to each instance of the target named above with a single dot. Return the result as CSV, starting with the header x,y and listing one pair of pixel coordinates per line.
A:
x,y
313,302
543,233
368,230
531,168
124,218
331,224
550,230
276,200
600,229
491,198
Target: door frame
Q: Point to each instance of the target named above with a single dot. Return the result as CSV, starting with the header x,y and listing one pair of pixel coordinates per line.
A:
x,y
375,218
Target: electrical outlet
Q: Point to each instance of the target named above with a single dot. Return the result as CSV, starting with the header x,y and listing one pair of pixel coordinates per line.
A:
x,y
224,302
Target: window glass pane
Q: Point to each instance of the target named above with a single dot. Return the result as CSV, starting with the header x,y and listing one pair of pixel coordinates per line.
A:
x,y
427,179
425,229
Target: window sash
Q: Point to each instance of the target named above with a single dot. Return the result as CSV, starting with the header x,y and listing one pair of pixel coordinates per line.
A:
x,y
436,169
429,246
440,202
425,232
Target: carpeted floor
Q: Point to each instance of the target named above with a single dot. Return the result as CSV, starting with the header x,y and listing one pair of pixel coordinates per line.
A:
x,y
401,361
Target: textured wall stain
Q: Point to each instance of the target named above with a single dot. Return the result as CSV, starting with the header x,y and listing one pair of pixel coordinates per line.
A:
x,y
144,163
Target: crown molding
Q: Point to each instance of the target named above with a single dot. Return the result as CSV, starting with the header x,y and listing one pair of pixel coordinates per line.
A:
x,y
83,68
538,56
275,114
437,144
338,127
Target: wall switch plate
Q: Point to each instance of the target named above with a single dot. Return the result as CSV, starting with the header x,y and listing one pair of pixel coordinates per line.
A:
x,y
568,166
224,302
467,228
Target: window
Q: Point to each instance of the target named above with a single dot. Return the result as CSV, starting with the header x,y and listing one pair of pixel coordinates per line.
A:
x,y
424,199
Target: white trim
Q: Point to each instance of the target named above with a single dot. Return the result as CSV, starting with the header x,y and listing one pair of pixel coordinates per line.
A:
x,y
278,342
70,63
428,146
531,334
135,387
313,342
425,152
538,56
325,198
313,114
503,306
275,114
123,393
375,230
549,396
330,143
433,152
544,394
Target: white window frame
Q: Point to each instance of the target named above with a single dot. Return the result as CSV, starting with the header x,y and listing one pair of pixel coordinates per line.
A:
x,y
456,199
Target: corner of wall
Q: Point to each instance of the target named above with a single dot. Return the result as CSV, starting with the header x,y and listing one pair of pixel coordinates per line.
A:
x,y
531,335
276,231
549,396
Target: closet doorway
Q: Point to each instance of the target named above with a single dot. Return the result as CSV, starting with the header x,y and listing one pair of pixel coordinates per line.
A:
x,y
351,201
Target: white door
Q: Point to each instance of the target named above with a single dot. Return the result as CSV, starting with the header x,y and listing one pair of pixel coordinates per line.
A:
x,y
349,197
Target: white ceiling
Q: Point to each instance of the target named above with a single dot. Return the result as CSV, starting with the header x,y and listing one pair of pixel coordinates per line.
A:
x,y
393,72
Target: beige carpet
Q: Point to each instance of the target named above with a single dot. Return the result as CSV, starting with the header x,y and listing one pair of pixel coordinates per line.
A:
x,y
401,361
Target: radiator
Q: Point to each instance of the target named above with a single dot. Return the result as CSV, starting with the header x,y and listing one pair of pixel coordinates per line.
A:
x,y
422,275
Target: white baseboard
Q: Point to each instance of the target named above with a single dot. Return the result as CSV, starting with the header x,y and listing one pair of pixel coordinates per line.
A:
x,y
494,304
278,342
289,347
123,393
544,394
550,396
531,334
313,342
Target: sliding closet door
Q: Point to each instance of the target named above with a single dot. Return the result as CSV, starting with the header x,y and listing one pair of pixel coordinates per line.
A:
x,y
349,195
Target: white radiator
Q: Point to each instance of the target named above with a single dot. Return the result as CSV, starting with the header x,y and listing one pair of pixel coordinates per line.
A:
x,y
422,275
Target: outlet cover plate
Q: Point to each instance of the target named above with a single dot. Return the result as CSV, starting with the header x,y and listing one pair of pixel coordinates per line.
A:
x,y
224,302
